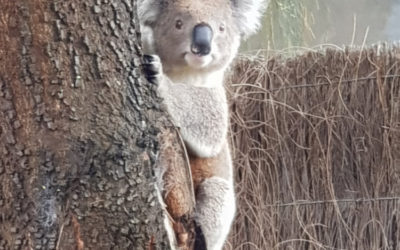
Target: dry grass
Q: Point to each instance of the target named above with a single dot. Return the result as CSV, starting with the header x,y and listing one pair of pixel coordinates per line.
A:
x,y
316,141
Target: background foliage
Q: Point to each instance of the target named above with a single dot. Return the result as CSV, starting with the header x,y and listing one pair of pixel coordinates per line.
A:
x,y
309,23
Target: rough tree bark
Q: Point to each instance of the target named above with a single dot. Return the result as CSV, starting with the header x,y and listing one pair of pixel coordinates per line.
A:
x,y
77,133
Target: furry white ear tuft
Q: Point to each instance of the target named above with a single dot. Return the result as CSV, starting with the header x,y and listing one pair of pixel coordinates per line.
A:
x,y
248,14
148,11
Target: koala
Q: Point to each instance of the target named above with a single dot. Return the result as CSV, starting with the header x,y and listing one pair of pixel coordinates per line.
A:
x,y
189,45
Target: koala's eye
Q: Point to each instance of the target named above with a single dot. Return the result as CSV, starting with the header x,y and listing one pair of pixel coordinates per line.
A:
x,y
178,24
221,27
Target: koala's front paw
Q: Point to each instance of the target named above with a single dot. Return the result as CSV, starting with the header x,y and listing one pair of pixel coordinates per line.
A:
x,y
152,68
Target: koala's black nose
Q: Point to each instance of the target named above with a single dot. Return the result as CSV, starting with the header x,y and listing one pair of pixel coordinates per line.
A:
x,y
201,40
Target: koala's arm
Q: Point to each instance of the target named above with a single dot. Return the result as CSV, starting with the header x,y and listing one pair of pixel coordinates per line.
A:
x,y
201,113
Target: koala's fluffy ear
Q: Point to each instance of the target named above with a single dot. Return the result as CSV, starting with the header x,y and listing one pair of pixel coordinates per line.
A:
x,y
248,14
148,11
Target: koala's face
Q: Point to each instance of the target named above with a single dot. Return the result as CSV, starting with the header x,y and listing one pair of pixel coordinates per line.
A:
x,y
195,35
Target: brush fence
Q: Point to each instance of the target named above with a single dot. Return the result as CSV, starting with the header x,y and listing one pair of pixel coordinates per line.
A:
x,y
316,144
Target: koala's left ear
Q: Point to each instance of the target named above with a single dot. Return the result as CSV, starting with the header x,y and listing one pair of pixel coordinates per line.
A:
x,y
247,14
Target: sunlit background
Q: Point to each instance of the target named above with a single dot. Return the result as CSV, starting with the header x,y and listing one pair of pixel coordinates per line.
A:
x,y
310,23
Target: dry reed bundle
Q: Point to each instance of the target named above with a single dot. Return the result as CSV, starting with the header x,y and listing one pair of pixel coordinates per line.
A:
x,y
316,140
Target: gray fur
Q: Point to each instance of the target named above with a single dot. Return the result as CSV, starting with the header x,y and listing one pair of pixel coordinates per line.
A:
x,y
215,210
201,113
193,92
203,119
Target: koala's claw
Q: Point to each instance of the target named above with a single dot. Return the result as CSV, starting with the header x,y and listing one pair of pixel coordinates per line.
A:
x,y
200,241
152,68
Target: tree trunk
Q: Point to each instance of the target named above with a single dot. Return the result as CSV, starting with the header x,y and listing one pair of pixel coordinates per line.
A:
x,y
78,138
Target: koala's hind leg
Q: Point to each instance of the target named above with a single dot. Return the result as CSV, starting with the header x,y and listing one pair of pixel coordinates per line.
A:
x,y
215,198
215,210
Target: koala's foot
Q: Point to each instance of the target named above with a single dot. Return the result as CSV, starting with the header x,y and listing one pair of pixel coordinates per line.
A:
x,y
152,68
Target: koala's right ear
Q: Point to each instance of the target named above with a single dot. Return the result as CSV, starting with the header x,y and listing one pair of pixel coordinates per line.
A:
x,y
148,11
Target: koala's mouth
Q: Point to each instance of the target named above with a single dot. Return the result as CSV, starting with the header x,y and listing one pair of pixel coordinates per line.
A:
x,y
198,61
